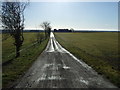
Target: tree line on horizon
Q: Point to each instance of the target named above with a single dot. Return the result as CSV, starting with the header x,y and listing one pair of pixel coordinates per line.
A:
x,y
64,30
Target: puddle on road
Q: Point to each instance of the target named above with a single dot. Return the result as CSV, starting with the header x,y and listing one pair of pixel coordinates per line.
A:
x,y
49,78
55,78
43,77
65,67
83,80
47,65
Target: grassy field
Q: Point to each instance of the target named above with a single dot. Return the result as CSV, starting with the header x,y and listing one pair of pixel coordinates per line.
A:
x,y
97,49
17,66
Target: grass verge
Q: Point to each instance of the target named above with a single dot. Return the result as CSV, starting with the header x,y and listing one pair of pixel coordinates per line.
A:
x,y
98,49
18,66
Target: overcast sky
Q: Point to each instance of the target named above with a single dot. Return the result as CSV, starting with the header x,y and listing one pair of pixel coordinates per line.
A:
x,y
76,15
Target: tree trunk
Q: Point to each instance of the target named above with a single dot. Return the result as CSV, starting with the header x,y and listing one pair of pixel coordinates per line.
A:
x,y
45,34
17,51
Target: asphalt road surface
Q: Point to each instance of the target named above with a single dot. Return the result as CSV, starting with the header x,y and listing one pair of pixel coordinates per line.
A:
x,y
58,68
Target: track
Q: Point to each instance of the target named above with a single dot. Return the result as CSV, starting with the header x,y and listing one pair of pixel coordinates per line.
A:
x,y
58,68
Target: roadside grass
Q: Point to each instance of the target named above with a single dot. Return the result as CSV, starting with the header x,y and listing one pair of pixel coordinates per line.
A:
x,y
18,66
8,49
98,49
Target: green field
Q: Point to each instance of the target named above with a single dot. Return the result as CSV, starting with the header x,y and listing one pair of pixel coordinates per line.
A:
x,y
14,68
97,49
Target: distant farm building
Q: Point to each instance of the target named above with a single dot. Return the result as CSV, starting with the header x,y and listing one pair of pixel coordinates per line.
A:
x,y
62,30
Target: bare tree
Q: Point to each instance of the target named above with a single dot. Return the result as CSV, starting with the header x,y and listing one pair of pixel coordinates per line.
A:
x,y
49,30
46,26
72,30
13,20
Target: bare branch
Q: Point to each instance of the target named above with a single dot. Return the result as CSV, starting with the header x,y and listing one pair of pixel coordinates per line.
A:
x,y
46,26
12,18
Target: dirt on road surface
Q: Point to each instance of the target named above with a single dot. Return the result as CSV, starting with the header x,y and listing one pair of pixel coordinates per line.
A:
x,y
58,68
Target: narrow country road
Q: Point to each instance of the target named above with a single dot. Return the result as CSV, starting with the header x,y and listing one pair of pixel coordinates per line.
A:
x,y
58,68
